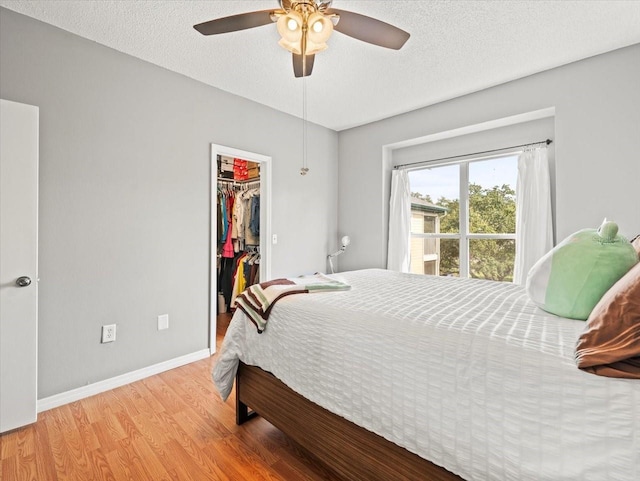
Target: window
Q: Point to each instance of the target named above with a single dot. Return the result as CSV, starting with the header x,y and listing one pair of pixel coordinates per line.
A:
x,y
463,219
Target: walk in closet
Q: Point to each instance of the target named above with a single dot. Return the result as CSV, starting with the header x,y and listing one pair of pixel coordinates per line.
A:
x,y
241,239
238,228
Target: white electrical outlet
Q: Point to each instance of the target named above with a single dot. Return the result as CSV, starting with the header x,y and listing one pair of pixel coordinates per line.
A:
x,y
108,333
163,322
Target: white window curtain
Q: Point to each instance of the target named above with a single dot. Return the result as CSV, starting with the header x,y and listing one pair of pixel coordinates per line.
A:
x,y
534,228
399,222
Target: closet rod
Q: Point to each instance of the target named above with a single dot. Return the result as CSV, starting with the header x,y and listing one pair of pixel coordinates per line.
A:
x,y
413,164
239,182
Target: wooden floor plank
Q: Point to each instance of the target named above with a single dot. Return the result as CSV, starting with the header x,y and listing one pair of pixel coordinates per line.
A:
x,y
9,467
153,460
9,444
153,430
104,435
44,467
61,458
202,429
247,466
127,464
100,466
91,408
83,425
169,427
200,465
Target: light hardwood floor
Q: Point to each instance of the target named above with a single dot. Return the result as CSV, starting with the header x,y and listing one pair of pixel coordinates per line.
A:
x,y
172,426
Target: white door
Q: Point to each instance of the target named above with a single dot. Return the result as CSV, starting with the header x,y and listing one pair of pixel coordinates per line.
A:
x,y
18,264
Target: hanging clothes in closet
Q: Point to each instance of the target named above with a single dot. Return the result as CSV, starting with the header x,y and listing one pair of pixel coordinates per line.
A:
x,y
238,237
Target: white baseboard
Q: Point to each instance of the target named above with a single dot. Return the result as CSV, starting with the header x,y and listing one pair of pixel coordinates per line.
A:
x,y
56,400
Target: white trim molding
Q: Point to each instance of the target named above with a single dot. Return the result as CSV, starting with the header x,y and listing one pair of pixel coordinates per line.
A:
x,y
57,400
470,129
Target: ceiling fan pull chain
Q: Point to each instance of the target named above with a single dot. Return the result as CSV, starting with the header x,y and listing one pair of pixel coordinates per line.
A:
x,y
304,169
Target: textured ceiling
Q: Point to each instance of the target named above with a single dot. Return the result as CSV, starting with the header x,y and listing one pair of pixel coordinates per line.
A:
x,y
456,47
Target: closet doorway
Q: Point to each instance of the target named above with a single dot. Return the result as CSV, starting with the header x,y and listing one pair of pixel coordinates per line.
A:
x,y
241,237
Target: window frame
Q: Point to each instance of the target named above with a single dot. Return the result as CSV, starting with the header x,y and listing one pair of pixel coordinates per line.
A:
x,y
463,235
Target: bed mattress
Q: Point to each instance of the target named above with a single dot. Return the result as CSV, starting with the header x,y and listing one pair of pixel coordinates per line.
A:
x,y
466,373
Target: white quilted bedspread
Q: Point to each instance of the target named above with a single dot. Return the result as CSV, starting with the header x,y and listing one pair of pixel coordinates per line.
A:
x,y
468,374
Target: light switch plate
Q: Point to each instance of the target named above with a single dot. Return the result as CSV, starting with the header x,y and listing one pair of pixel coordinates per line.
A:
x,y
163,322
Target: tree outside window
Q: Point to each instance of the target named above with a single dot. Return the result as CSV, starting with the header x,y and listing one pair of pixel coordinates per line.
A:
x,y
478,240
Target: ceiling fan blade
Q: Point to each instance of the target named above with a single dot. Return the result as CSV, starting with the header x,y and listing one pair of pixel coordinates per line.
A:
x,y
241,21
301,67
370,30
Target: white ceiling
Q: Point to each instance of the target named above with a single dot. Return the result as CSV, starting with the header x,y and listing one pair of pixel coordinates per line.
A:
x,y
456,47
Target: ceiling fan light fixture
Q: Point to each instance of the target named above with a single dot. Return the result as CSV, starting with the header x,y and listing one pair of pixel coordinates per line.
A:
x,y
320,28
293,47
314,48
290,27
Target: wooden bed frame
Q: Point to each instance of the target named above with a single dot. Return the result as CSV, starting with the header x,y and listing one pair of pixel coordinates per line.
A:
x,y
350,451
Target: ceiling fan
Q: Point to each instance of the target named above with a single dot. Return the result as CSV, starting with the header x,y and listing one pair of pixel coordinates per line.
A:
x,y
306,25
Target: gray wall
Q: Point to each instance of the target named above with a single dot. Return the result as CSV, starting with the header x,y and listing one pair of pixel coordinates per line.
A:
x,y
124,198
596,141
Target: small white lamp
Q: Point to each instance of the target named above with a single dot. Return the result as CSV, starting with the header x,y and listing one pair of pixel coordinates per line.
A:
x,y
345,242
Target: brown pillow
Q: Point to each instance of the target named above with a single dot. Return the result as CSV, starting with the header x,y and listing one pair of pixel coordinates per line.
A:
x,y
610,343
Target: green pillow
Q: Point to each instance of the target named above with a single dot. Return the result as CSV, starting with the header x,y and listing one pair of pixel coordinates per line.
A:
x,y
571,278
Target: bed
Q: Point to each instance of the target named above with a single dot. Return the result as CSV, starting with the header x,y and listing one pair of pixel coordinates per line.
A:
x,y
421,377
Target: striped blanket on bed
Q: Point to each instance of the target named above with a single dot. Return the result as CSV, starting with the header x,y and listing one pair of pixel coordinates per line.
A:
x,y
258,300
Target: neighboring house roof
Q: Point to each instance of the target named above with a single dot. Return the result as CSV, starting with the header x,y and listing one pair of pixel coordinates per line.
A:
x,y
425,206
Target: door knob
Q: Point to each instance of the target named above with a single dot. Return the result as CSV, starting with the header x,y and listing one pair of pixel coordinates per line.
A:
x,y
23,281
